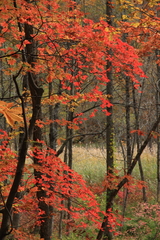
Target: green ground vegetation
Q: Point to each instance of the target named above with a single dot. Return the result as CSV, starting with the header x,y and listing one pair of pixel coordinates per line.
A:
x,y
142,220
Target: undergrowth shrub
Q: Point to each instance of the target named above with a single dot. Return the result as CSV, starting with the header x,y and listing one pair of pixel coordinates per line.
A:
x,y
144,223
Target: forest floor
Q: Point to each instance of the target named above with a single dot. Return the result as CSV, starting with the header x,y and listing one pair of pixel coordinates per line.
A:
x,y
143,218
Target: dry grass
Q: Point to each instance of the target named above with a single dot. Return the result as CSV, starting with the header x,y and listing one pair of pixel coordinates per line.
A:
x,y
91,164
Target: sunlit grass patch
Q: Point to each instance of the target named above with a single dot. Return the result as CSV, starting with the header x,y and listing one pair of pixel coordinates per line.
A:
x,y
90,163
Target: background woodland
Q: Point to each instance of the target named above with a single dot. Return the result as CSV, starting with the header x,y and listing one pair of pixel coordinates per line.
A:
x,y
79,119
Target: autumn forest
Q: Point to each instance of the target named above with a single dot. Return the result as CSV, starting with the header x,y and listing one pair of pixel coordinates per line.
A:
x,y
79,119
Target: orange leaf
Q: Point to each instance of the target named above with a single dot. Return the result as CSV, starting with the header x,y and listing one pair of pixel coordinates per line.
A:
x,y
11,61
140,132
2,40
49,78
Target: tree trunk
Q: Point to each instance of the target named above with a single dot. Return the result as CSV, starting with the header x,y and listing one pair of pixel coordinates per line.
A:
x,y
158,113
110,131
45,227
128,138
136,113
53,133
158,138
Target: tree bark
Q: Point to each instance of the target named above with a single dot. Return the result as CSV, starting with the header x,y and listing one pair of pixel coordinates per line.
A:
x,y
158,138
36,92
109,131
158,112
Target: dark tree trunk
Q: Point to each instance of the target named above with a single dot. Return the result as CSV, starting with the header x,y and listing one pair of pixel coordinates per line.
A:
x,y
158,138
158,114
128,135
53,133
46,225
70,153
110,131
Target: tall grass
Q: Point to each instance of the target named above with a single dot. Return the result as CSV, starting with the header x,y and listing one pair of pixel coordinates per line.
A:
x,y
91,164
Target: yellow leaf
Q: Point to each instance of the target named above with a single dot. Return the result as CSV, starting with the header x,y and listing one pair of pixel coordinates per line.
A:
x,y
11,114
136,24
124,17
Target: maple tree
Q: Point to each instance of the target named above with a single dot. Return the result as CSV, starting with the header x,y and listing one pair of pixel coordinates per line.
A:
x,y
138,21
139,31
41,43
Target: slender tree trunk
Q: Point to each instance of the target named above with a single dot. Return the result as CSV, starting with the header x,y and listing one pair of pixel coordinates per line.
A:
x,y
107,234
136,113
62,213
70,154
158,113
158,138
16,215
53,115
128,139
128,135
53,133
